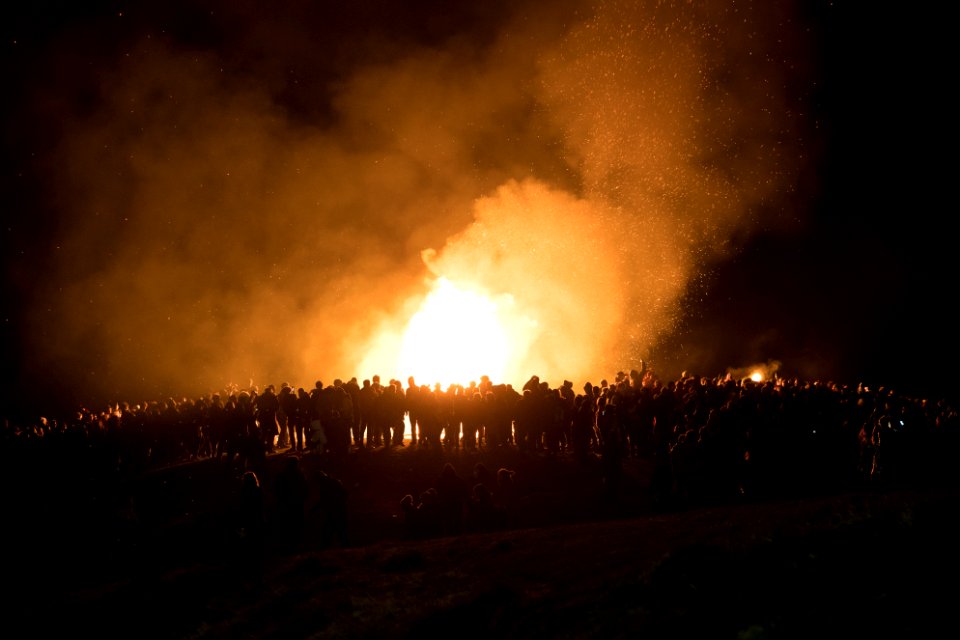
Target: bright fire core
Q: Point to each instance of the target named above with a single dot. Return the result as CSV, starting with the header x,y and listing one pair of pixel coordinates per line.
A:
x,y
456,336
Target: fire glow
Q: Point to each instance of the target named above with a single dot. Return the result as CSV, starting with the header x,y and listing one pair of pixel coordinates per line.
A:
x,y
458,335
760,372
503,306
571,215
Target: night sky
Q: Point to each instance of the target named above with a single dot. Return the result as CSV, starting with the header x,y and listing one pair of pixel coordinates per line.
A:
x,y
199,193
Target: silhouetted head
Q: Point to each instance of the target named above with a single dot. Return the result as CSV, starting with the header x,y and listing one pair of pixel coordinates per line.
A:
x,y
481,473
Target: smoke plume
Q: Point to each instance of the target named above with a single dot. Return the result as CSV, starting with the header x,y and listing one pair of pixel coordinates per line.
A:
x,y
231,209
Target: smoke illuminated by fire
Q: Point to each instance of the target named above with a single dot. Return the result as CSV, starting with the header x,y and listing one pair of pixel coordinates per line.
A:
x,y
530,191
543,271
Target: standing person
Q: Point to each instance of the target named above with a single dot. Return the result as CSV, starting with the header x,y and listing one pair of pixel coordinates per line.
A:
x,y
352,388
234,433
379,414
452,496
391,408
397,413
318,436
412,407
584,428
345,410
268,405
290,491
429,419
253,526
332,506
252,443
568,397
304,413
287,416
524,421
216,419
337,418
472,421
611,443
366,402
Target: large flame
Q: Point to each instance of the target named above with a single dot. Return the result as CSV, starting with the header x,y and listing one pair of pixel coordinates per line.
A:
x,y
459,335
531,287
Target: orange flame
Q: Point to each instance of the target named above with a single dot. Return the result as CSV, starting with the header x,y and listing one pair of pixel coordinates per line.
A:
x,y
458,334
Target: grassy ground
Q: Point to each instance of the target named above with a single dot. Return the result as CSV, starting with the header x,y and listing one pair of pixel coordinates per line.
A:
x,y
574,564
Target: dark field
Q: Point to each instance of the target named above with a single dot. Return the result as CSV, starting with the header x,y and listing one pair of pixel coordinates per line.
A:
x,y
159,557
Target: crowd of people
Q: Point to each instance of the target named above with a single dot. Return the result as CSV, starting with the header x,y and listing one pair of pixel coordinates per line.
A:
x,y
484,503
706,437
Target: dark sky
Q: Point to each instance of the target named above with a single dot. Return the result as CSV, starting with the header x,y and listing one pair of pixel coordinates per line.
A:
x,y
830,251
863,292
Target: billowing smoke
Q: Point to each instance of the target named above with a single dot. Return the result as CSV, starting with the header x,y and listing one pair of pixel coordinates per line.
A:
x,y
585,160
550,261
